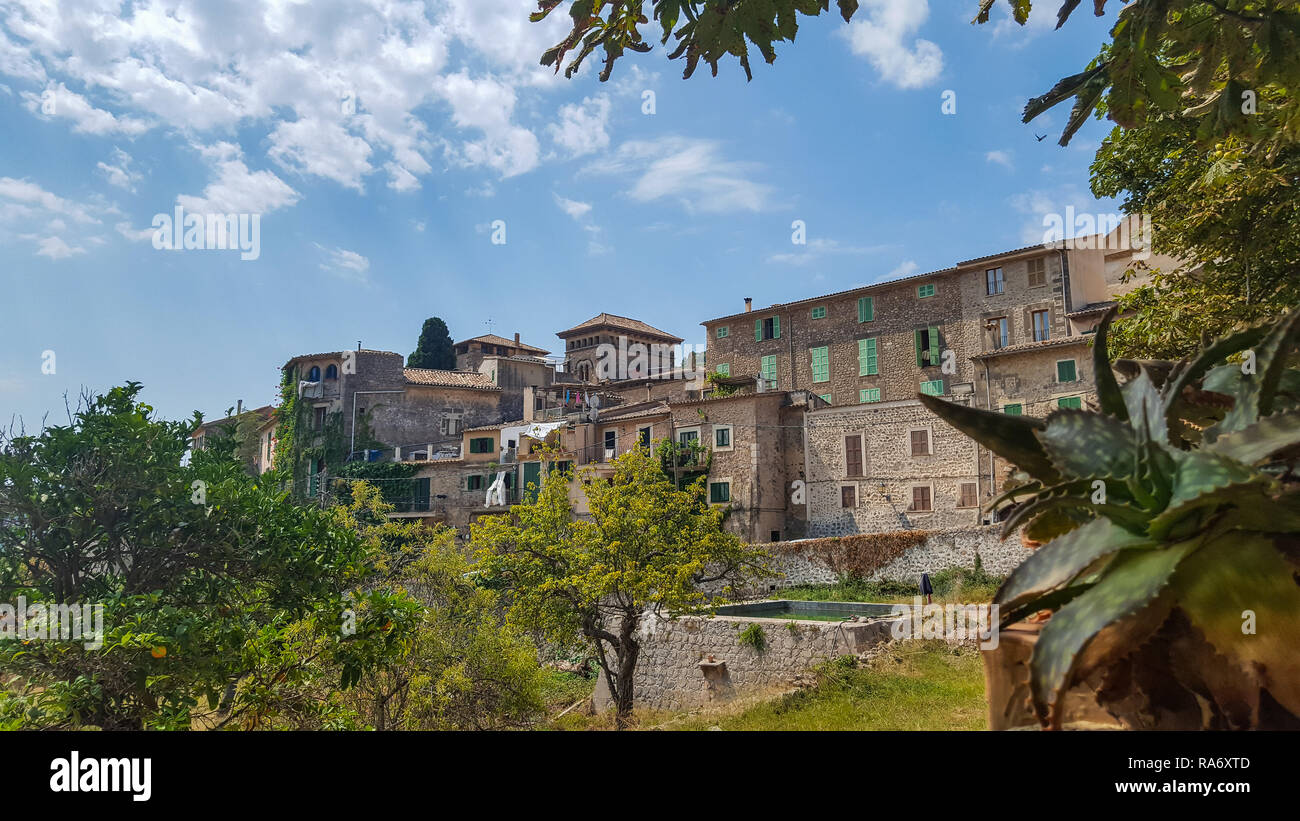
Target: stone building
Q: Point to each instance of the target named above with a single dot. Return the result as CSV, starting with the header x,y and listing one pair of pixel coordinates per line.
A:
x,y
471,352
583,347
1007,331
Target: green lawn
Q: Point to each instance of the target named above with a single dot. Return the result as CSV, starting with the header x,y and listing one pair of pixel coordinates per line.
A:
x,y
921,686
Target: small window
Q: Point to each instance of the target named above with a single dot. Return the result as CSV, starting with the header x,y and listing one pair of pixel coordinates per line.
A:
x,y
967,496
927,347
869,395
1037,272
826,397
1015,409
768,371
643,437
722,437
1041,331
920,442
332,372
821,364
482,444
932,388
1065,371
920,499
924,291
320,418
611,440
866,309
313,375
993,281
848,496
688,437
999,331
819,312
1071,402
473,482
724,368
853,455
868,361
722,331
769,328
719,492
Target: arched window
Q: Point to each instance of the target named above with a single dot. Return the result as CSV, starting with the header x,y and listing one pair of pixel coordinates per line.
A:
x,y
332,372
313,375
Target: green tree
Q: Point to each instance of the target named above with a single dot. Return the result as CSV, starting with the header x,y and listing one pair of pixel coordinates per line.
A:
x,y
202,571
434,349
643,554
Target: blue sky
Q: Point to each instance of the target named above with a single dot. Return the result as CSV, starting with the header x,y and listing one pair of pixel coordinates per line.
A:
x,y
375,217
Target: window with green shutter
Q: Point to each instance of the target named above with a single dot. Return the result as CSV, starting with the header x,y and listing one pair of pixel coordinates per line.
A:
x,y
927,347
866,309
819,312
868,362
722,331
932,388
768,371
720,492
1065,371
769,328
1015,409
481,445
724,368
869,395
1075,402
821,364
926,290
827,398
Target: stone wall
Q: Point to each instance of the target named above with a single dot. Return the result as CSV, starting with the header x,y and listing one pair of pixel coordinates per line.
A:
x,y
695,660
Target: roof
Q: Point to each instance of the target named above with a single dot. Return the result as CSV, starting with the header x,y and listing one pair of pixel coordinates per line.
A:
x,y
875,286
1033,346
497,426
637,411
493,339
620,322
265,411
1093,308
470,380
1042,246
335,353
729,397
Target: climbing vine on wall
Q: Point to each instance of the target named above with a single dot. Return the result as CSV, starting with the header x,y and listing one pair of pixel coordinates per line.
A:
x,y
858,556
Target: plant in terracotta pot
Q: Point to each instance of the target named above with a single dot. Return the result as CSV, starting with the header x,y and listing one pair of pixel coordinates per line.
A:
x,y
1171,519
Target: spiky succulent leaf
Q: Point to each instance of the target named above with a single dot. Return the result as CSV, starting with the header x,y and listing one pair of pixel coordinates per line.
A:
x,y
1056,563
1056,522
1146,410
1109,396
1082,443
1011,494
1204,484
1011,437
1237,575
1071,498
1256,392
1259,441
1129,585
1212,355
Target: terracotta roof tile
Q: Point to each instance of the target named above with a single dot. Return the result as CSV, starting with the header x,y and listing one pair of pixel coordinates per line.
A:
x,y
620,322
471,380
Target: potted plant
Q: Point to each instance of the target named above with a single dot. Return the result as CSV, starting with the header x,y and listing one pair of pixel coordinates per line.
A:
x,y
1171,522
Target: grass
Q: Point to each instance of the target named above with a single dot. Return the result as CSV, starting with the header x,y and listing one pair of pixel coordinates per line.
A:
x,y
919,686
960,585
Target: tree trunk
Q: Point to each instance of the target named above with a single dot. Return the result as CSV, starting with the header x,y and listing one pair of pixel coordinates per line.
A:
x,y
628,651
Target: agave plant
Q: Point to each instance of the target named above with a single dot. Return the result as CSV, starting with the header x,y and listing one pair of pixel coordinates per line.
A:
x,y
1172,526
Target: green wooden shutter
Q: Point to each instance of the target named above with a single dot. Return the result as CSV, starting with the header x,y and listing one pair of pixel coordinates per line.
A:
x,y
934,346
917,335
758,330
776,327
867,359
1065,371
866,309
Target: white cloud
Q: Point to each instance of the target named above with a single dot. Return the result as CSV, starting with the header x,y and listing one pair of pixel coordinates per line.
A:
x,y
236,189
1041,207
1002,158
581,129
488,104
56,248
573,208
345,263
322,149
57,101
29,196
689,170
120,173
904,269
819,248
879,32
140,235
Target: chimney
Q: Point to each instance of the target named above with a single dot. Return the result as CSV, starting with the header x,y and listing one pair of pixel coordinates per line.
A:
x,y
749,304
516,339
239,407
